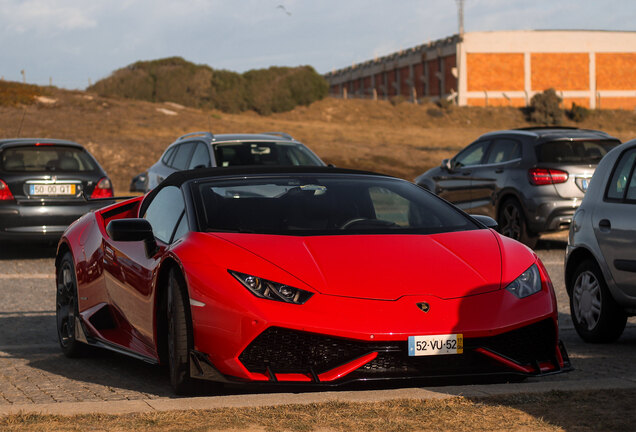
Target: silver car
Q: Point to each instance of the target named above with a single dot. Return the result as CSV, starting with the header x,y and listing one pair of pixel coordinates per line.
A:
x,y
204,149
600,262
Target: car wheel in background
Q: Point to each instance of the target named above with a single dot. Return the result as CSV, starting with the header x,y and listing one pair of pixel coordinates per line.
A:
x,y
595,314
512,223
66,309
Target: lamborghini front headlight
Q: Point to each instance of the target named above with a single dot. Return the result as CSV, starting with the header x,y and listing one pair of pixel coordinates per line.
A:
x,y
270,290
527,284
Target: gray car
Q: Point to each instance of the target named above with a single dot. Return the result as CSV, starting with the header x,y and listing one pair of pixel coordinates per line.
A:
x,y
204,149
600,262
529,180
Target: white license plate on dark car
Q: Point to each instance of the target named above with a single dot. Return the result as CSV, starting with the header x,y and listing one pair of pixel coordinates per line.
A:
x,y
52,189
436,345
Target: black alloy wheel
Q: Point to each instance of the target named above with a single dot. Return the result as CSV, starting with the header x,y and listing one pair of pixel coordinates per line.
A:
x,y
180,340
66,308
512,223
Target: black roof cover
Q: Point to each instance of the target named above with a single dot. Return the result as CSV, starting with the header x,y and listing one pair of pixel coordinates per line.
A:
x,y
179,177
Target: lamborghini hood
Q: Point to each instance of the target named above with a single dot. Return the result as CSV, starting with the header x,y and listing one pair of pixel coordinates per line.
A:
x,y
387,267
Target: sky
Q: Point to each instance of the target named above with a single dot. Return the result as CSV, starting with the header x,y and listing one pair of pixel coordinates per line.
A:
x,y
74,42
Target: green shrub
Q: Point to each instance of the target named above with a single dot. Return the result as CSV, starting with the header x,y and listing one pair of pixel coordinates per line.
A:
x,y
545,108
174,79
396,100
578,113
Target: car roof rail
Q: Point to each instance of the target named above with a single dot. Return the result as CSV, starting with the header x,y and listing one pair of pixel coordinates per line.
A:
x,y
531,128
280,134
208,135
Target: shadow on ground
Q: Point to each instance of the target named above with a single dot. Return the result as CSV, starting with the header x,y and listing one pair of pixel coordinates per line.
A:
x,y
29,250
551,244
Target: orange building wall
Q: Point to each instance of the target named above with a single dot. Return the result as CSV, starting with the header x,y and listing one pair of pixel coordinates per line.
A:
x,y
495,72
513,102
616,71
562,71
628,103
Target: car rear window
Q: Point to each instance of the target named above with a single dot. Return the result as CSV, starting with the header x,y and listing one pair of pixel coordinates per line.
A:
x,y
263,153
46,158
574,152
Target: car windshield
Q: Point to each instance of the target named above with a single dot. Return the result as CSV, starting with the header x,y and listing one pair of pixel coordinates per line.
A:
x,y
45,157
574,152
264,153
324,205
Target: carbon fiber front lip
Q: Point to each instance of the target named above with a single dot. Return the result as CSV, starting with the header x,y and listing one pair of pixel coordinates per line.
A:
x,y
201,368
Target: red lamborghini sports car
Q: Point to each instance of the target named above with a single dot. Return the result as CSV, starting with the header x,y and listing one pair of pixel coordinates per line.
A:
x,y
309,275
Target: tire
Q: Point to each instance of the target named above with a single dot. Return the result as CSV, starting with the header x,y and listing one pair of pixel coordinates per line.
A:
x,y
596,316
66,308
180,340
512,223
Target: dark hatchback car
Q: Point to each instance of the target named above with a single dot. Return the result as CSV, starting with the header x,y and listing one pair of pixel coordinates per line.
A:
x,y
530,180
204,149
45,185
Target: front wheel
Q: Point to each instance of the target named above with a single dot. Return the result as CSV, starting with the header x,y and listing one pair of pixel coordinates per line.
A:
x,y
596,315
66,308
512,223
180,340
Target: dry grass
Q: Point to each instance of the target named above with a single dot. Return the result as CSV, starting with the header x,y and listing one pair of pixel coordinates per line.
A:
x,y
556,411
404,140
13,93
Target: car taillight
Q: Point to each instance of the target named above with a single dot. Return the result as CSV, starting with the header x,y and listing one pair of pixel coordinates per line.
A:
x,y
104,189
5,192
543,176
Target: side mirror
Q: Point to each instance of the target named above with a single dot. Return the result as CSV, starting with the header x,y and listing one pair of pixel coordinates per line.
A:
x,y
446,163
133,229
139,183
486,220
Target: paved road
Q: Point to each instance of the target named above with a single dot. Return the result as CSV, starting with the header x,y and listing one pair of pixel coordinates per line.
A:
x,y
33,371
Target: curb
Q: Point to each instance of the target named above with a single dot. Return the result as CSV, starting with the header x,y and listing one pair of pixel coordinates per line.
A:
x,y
277,399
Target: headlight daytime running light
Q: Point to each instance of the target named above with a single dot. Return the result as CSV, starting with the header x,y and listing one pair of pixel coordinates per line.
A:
x,y
527,284
270,290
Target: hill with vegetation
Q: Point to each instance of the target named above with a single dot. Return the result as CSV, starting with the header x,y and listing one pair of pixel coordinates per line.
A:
x,y
266,91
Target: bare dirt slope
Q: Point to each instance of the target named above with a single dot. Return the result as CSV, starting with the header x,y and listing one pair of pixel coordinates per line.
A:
x,y
128,136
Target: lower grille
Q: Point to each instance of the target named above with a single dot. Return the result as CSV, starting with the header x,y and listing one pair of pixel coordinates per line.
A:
x,y
525,345
401,364
291,351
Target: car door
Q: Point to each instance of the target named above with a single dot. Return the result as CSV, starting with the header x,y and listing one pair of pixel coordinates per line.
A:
x,y
455,184
130,273
614,222
496,172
